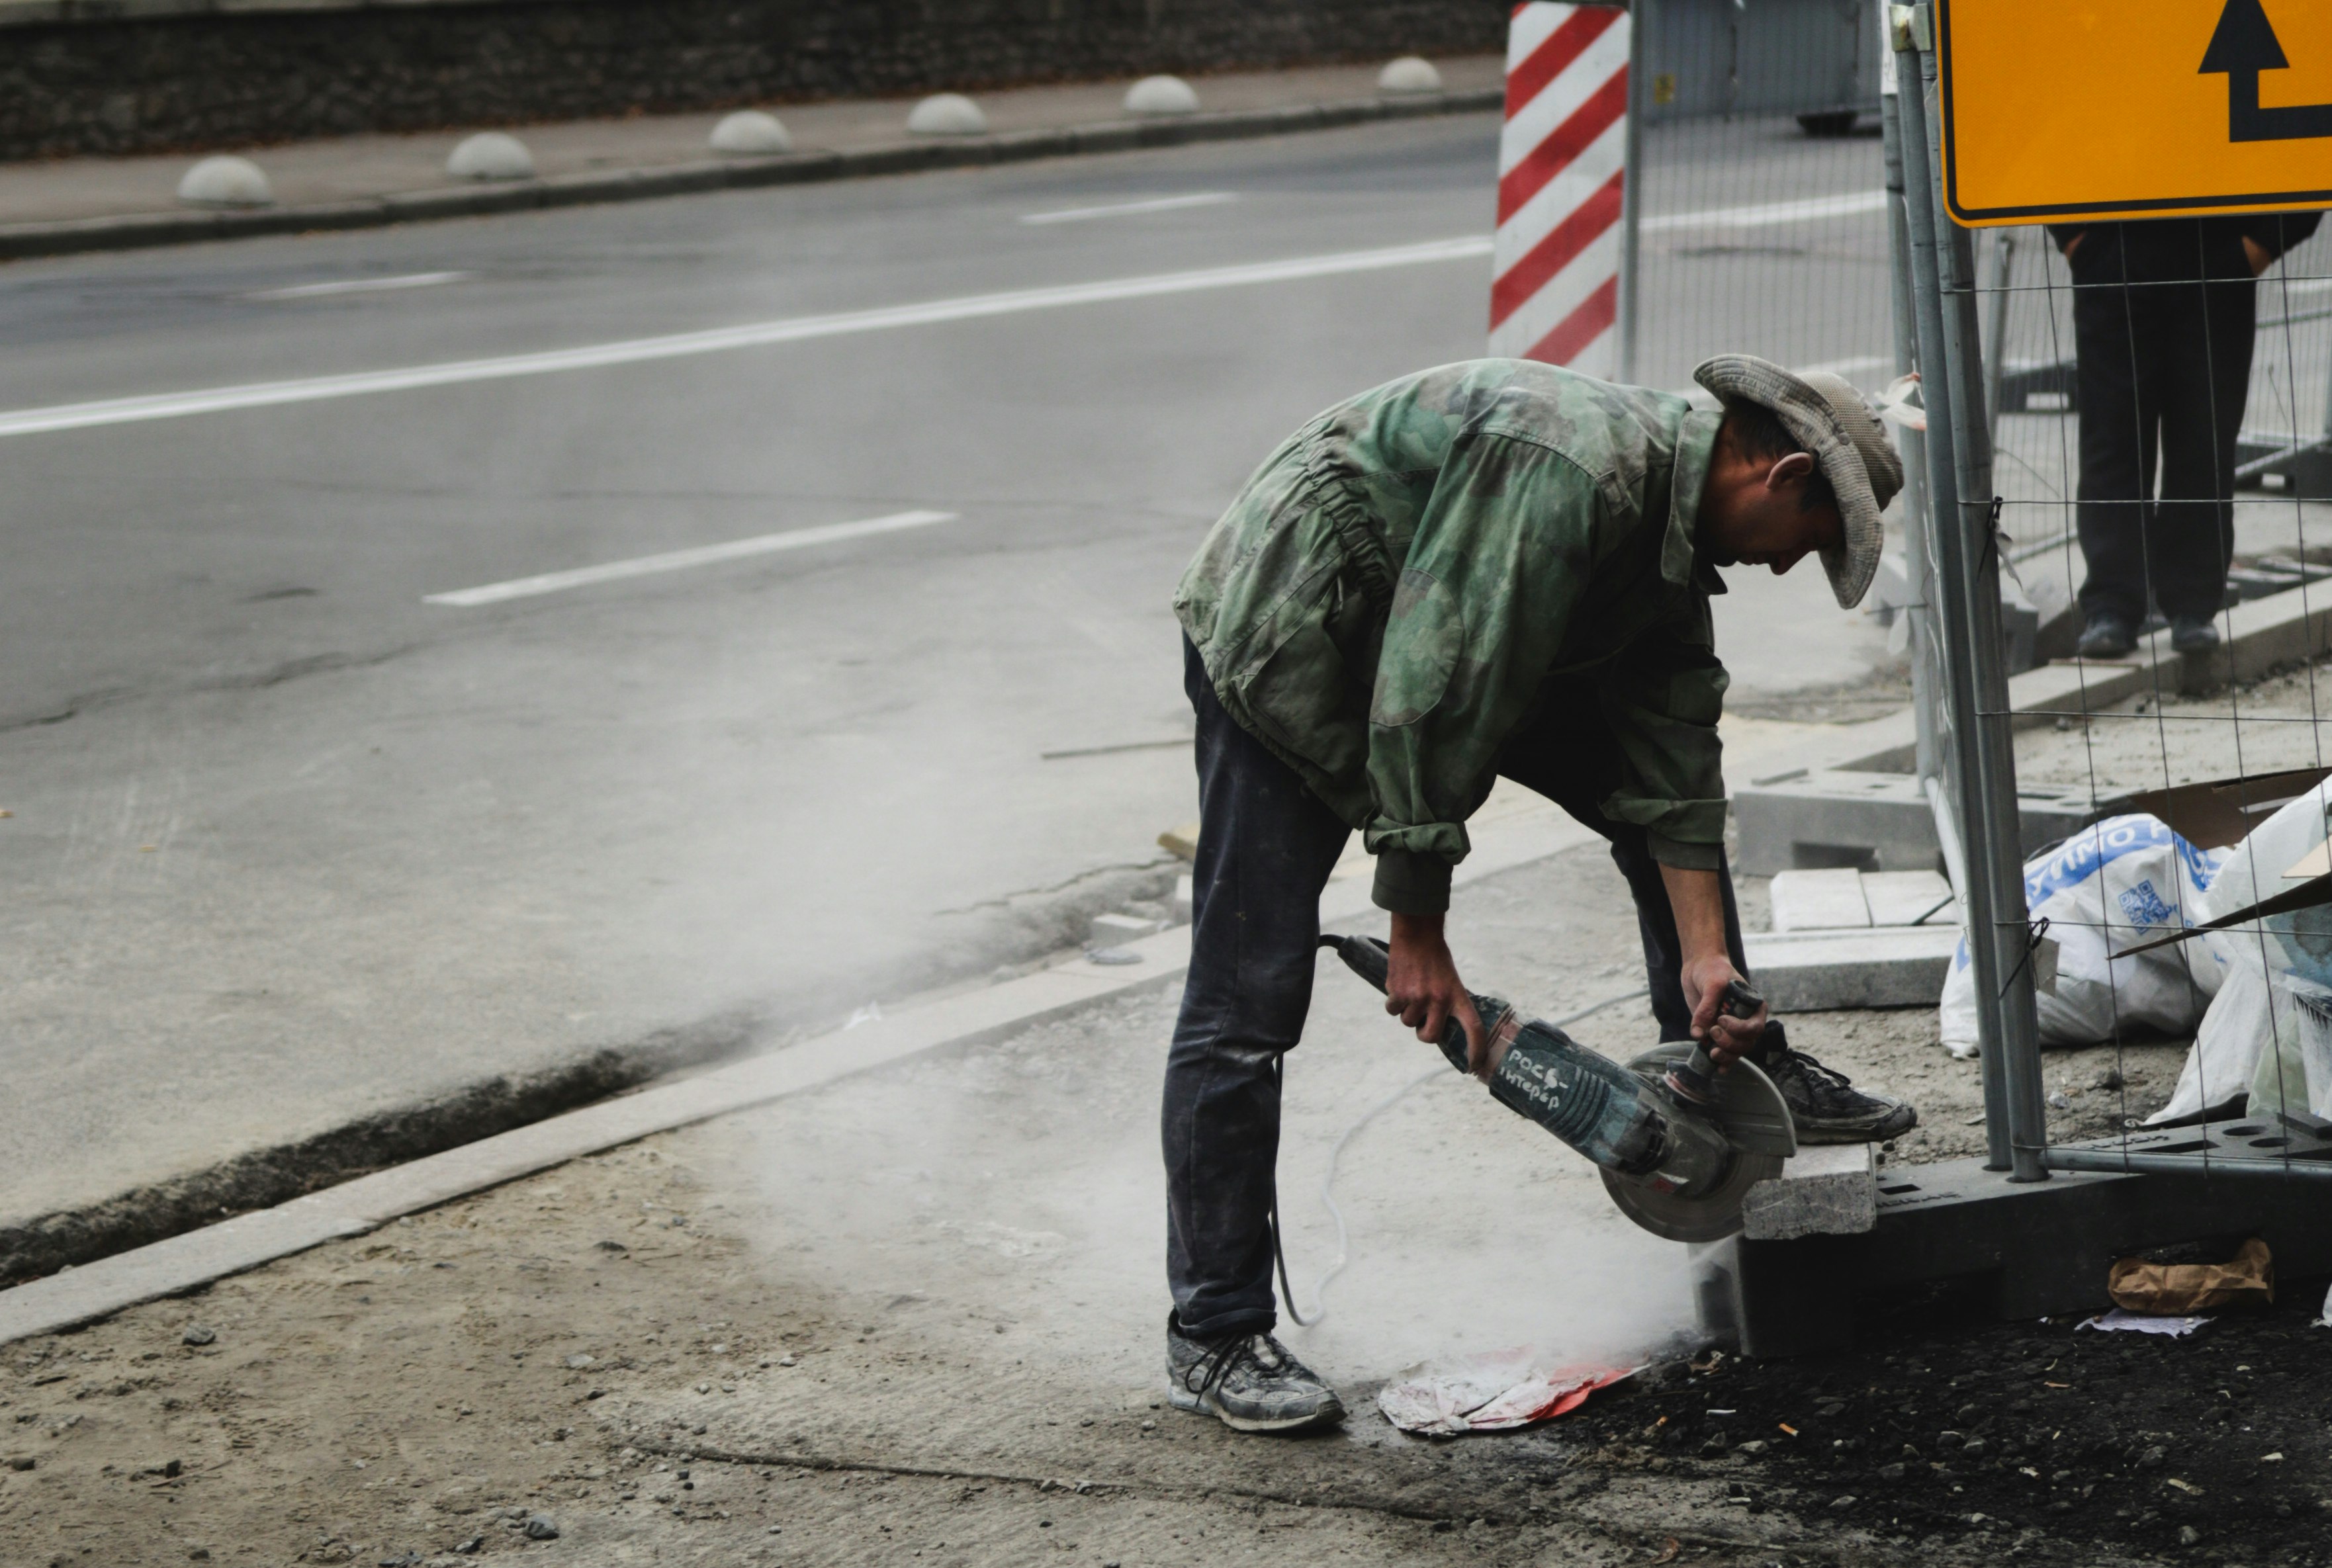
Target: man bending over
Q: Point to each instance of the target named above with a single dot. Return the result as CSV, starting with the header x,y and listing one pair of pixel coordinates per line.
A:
x,y
1492,567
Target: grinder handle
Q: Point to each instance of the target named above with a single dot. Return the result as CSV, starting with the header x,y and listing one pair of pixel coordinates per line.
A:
x,y
1697,1072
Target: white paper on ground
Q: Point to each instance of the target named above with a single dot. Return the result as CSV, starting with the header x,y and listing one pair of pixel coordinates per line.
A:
x,y
1491,1393
2142,1322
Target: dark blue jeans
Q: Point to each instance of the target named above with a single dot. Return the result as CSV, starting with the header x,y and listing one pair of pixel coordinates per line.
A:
x,y
1267,844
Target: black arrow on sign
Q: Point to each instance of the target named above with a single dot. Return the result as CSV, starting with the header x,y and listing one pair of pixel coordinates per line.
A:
x,y
2243,45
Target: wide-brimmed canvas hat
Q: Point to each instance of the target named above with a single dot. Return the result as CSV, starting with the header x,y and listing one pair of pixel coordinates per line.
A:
x,y
1830,419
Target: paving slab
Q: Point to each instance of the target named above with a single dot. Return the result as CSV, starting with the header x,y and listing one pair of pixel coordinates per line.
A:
x,y
1869,967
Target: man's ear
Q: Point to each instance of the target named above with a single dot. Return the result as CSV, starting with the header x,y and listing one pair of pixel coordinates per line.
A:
x,y
1794,469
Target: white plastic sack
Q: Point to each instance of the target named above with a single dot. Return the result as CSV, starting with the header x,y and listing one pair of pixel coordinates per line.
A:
x,y
2254,1010
2110,886
2230,1049
2299,942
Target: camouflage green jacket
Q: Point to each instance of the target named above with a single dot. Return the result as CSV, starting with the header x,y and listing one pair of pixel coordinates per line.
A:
x,y
1404,575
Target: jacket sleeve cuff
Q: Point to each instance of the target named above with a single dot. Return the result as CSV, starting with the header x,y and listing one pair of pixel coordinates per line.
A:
x,y
1412,883
1686,856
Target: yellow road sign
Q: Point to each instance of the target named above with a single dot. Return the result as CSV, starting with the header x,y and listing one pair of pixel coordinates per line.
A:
x,y
2100,109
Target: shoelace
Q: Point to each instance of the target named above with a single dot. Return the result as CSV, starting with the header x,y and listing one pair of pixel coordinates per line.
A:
x,y
1218,1363
1831,1076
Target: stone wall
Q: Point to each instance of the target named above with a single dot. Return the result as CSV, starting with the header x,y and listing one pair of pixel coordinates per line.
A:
x,y
202,78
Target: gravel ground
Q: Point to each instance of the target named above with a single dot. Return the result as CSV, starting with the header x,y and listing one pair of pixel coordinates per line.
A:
x,y
913,1317
2151,743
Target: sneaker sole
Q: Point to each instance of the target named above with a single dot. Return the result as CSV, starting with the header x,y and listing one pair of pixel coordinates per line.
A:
x,y
1184,1399
1876,1133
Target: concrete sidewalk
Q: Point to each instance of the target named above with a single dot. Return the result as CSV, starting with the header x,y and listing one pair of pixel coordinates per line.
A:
x,y
93,203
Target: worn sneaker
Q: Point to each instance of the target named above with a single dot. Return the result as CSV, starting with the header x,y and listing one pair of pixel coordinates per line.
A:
x,y
2194,634
1247,1380
2107,636
1828,1108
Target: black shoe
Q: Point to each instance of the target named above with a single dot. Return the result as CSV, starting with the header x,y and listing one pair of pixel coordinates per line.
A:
x,y
2107,636
2195,634
1247,1380
1828,1108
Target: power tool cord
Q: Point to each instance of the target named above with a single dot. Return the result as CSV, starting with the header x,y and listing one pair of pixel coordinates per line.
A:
x,y
1328,1181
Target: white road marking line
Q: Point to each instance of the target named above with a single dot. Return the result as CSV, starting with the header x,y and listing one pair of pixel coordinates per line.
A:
x,y
360,286
1767,213
719,340
1212,198
680,560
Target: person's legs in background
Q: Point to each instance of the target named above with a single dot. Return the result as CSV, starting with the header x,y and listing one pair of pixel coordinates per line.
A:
x,y
2112,383
2203,336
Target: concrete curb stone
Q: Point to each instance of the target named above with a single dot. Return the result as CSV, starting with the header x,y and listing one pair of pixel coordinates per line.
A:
x,y
139,231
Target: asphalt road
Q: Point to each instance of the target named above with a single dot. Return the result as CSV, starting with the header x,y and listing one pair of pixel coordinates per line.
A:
x,y
292,845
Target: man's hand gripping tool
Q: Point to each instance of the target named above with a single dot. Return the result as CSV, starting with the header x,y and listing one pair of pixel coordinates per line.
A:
x,y
1694,1079
1676,1164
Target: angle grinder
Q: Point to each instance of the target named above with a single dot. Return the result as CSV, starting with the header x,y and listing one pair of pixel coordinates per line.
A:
x,y
1679,1142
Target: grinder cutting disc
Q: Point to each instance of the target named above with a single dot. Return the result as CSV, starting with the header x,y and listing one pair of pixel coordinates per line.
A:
x,y
1755,1119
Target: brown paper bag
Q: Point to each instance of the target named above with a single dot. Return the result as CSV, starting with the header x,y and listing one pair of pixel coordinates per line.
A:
x,y
2176,1289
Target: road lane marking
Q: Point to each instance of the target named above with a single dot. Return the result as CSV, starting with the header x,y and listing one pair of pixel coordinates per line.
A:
x,y
681,560
360,286
720,340
1767,213
1213,198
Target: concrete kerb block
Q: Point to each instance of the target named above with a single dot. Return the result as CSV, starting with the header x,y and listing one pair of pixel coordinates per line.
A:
x,y
946,114
1899,966
1410,73
182,1263
1109,136
226,181
1826,1189
1020,145
489,155
751,132
1162,95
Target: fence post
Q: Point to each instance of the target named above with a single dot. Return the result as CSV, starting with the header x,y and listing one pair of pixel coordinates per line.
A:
x,y
1983,728
1949,582
1919,569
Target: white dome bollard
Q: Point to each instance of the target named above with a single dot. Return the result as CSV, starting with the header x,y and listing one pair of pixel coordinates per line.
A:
x,y
491,154
749,130
225,182
1410,73
1162,95
946,114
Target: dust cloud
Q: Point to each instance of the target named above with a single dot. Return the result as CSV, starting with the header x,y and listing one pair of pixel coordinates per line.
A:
x,y
1018,1186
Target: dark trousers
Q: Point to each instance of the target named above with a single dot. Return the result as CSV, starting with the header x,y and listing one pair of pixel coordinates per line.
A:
x,y
2163,369
1267,844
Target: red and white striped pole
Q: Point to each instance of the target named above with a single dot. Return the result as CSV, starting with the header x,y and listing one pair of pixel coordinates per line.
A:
x,y
1563,173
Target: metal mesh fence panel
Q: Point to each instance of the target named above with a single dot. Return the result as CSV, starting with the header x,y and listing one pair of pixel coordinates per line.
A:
x,y
2144,425
1762,217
